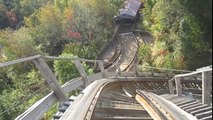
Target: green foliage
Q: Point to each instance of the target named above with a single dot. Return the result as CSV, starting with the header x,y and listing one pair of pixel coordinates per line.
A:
x,y
29,27
25,89
181,41
17,44
47,29
51,112
28,7
115,4
61,4
145,53
2,15
66,70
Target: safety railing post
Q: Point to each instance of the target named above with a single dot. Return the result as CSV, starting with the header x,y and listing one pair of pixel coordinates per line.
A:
x,y
82,71
171,87
178,86
50,78
206,87
118,69
101,66
136,70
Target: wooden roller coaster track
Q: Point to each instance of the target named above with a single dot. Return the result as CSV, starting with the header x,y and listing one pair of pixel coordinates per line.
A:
x,y
125,95
120,90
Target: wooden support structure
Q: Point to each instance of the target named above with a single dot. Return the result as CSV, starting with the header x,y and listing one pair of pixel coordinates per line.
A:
x,y
82,71
59,93
178,86
101,66
171,87
118,69
206,87
50,78
136,70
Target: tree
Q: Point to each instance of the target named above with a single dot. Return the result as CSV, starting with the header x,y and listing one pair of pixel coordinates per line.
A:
x,y
66,69
48,29
178,32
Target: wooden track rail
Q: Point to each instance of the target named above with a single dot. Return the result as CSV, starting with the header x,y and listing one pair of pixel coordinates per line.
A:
x,y
37,110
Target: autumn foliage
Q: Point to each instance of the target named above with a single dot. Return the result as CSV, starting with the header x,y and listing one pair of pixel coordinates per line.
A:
x,y
72,34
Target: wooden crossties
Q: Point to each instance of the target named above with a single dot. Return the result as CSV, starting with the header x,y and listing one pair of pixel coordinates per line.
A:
x,y
59,92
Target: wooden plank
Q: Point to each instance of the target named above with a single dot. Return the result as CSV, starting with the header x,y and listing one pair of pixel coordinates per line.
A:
x,y
95,77
204,68
136,69
72,85
165,69
118,69
101,66
193,73
122,118
36,111
171,87
81,106
206,87
82,72
50,78
152,112
178,86
191,81
19,61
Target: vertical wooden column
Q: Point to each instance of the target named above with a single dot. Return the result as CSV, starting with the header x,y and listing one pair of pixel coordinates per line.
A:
x,y
50,78
136,70
118,69
82,71
101,66
206,87
171,87
178,86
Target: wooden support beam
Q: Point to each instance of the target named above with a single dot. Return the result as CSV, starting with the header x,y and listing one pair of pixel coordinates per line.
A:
x,y
82,71
50,78
19,61
178,86
206,87
136,70
101,66
37,110
118,69
171,87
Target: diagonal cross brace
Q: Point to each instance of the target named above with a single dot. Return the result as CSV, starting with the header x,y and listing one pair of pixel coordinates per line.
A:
x,y
82,72
50,78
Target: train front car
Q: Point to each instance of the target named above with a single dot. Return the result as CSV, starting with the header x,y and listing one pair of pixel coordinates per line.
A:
x,y
130,12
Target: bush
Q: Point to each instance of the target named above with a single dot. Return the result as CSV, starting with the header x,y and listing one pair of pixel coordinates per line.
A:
x,y
66,70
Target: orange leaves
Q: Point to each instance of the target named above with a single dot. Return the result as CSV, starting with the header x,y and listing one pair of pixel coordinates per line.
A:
x,y
68,13
72,34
